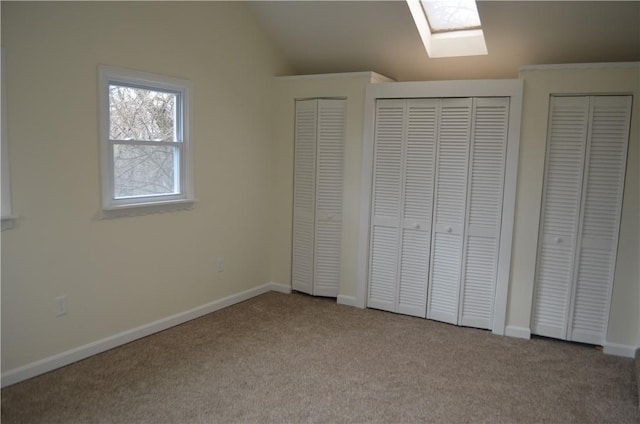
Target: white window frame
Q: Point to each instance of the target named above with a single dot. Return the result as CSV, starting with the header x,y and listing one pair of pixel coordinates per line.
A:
x,y
8,220
184,199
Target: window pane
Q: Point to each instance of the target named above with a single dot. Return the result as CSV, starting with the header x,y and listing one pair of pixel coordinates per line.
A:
x,y
448,15
145,170
141,114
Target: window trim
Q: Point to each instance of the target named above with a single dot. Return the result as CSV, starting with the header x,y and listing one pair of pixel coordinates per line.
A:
x,y
112,207
6,213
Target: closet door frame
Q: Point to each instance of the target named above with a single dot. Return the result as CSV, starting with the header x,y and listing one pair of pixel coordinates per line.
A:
x,y
446,89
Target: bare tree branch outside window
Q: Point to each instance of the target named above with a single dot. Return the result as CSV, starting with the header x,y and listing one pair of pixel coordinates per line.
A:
x,y
451,15
138,114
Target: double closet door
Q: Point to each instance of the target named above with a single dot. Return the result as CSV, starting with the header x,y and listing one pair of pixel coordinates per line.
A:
x,y
437,207
317,209
583,188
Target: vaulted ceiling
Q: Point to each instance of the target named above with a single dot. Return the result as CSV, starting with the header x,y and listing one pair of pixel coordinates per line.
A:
x,y
349,36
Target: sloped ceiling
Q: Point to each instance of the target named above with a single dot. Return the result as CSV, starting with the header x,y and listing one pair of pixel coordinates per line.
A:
x,y
349,36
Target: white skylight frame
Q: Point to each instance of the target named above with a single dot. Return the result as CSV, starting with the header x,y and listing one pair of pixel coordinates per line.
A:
x,y
453,43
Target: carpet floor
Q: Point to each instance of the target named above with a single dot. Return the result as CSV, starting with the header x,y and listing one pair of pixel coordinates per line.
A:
x,y
292,358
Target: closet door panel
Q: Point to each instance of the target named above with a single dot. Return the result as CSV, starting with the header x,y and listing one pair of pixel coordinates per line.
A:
x,y
484,213
387,189
449,210
602,198
560,212
329,179
304,196
445,278
420,144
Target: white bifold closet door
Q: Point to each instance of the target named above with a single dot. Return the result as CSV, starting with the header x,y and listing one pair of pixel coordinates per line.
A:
x,y
582,200
318,181
446,158
468,210
402,204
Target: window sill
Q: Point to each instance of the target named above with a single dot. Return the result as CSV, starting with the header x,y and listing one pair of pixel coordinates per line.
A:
x,y
147,208
9,222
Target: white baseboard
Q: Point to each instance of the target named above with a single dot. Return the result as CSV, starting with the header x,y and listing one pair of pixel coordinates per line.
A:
x,y
280,288
619,350
347,300
519,332
65,358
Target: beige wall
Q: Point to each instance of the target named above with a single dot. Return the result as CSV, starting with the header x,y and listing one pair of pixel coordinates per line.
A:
x,y
121,273
624,321
349,86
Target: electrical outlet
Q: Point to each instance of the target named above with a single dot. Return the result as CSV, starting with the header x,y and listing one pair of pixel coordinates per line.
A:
x,y
61,305
220,265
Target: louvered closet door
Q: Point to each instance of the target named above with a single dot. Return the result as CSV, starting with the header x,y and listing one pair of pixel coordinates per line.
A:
x,y
484,210
601,199
387,187
329,165
421,130
568,122
304,196
449,209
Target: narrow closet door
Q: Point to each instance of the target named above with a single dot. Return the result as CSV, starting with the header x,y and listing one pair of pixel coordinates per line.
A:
x,y
421,130
568,122
484,210
304,196
602,200
329,165
449,210
387,188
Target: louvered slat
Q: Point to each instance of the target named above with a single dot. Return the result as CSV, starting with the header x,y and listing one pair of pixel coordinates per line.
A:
x,y
383,268
450,203
445,278
560,212
329,179
387,186
602,198
304,196
414,263
327,258
420,144
484,215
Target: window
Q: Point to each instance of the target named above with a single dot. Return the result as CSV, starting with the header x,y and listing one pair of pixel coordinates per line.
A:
x,y
449,28
144,142
451,15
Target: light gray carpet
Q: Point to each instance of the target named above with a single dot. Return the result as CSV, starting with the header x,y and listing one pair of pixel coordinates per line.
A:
x,y
292,358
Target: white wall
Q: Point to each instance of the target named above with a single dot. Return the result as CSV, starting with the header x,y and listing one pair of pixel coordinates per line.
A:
x,y
349,86
624,320
121,273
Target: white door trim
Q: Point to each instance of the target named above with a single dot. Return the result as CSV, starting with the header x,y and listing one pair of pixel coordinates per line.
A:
x,y
512,88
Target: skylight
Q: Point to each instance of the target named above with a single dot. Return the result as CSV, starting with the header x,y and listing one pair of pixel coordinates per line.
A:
x,y
451,15
449,28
